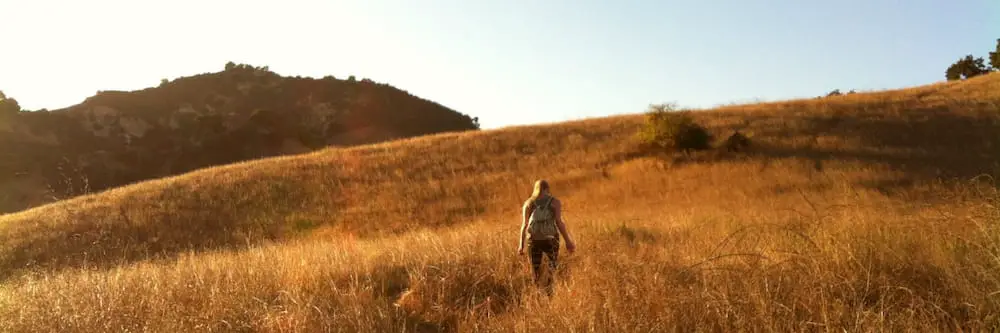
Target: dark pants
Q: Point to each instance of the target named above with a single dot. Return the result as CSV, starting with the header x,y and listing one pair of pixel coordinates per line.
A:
x,y
550,248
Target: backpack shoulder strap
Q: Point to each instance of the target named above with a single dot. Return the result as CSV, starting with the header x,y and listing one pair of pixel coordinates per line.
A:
x,y
548,203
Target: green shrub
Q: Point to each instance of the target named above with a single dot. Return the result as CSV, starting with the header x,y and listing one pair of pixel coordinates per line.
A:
x,y
673,130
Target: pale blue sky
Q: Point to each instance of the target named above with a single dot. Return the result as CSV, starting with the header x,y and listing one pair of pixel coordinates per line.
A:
x,y
507,62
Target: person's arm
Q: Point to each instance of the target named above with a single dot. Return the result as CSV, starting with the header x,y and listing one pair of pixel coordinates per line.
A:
x,y
525,213
570,244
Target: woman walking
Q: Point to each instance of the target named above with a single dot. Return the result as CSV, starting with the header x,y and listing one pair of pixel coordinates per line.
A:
x,y
542,224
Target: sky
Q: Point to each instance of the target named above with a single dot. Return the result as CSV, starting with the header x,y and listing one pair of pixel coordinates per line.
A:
x,y
512,62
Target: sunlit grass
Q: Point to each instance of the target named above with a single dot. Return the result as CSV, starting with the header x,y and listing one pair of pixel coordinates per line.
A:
x,y
847,268
854,213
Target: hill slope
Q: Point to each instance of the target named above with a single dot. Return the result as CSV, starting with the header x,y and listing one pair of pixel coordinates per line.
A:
x,y
850,213
115,138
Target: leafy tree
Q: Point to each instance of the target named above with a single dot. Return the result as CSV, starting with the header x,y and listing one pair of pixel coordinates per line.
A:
x,y
835,92
995,57
230,65
8,106
953,72
966,68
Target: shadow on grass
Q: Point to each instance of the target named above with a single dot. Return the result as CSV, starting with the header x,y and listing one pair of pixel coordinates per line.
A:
x,y
156,226
440,296
926,143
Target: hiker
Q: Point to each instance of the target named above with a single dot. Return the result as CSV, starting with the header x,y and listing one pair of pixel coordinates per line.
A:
x,y
542,222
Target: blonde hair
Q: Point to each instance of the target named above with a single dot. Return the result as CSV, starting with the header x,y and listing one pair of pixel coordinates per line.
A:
x,y
541,185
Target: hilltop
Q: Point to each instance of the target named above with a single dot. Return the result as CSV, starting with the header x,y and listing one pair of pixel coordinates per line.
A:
x,y
860,212
116,138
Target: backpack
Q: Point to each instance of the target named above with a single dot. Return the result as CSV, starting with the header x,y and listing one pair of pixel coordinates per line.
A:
x,y
542,223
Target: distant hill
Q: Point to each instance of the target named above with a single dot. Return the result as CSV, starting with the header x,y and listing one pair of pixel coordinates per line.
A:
x,y
242,113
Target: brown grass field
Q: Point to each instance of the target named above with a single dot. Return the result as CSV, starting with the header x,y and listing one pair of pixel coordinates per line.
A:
x,y
864,212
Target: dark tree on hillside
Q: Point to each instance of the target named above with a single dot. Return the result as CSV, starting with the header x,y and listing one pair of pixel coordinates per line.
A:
x,y
966,68
8,106
230,65
995,57
953,72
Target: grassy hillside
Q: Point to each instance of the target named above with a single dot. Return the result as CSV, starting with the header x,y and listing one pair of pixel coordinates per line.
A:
x,y
854,212
116,138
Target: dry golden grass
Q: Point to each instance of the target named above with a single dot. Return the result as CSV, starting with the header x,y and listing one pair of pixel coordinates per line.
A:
x,y
851,213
